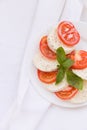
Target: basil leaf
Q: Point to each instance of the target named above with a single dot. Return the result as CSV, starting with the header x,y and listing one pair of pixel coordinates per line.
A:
x,y
74,80
61,56
60,75
67,63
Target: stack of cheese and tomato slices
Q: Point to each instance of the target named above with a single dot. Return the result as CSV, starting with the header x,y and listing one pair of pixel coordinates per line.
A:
x,y
61,67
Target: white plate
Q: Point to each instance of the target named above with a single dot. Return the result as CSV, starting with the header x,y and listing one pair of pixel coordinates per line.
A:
x,y
38,86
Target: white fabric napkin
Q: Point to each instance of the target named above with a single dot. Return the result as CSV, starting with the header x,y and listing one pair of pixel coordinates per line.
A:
x,y
48,20
48,12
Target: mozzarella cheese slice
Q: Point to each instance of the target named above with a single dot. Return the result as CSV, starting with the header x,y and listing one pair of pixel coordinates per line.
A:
x,y
81,73
44,64
81,96
54,42
55,88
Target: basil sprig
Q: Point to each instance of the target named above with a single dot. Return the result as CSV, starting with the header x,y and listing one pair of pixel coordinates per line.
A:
x,y
64,68
60,74
74,80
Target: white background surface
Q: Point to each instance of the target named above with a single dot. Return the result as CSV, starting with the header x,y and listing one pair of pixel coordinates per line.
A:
x,y
16,18
15,21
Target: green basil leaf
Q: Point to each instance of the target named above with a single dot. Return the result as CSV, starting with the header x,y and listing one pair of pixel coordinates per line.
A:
x,y
60,75
67,63
74,80
61,56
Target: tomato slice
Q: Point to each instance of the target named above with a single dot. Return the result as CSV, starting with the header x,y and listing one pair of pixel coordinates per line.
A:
x,y
67,93
45,50
80,59
47,77
67,33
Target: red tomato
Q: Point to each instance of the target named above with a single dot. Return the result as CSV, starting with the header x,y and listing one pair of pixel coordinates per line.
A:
x,y
45,50
47,77
80,59
67,93
67,33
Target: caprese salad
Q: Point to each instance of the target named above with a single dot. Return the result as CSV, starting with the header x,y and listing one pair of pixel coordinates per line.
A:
x,y
61,67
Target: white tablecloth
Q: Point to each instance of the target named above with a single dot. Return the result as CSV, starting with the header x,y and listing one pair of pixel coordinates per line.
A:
x,y
16,19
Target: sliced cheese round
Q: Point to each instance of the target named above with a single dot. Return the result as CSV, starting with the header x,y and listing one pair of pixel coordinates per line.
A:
x,y
44,64
81,96
81,73
54,43
55,88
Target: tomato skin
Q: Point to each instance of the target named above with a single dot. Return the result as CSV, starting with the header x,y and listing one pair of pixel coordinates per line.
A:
x,y
45,50
81,62
67,33
47,77
67,93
